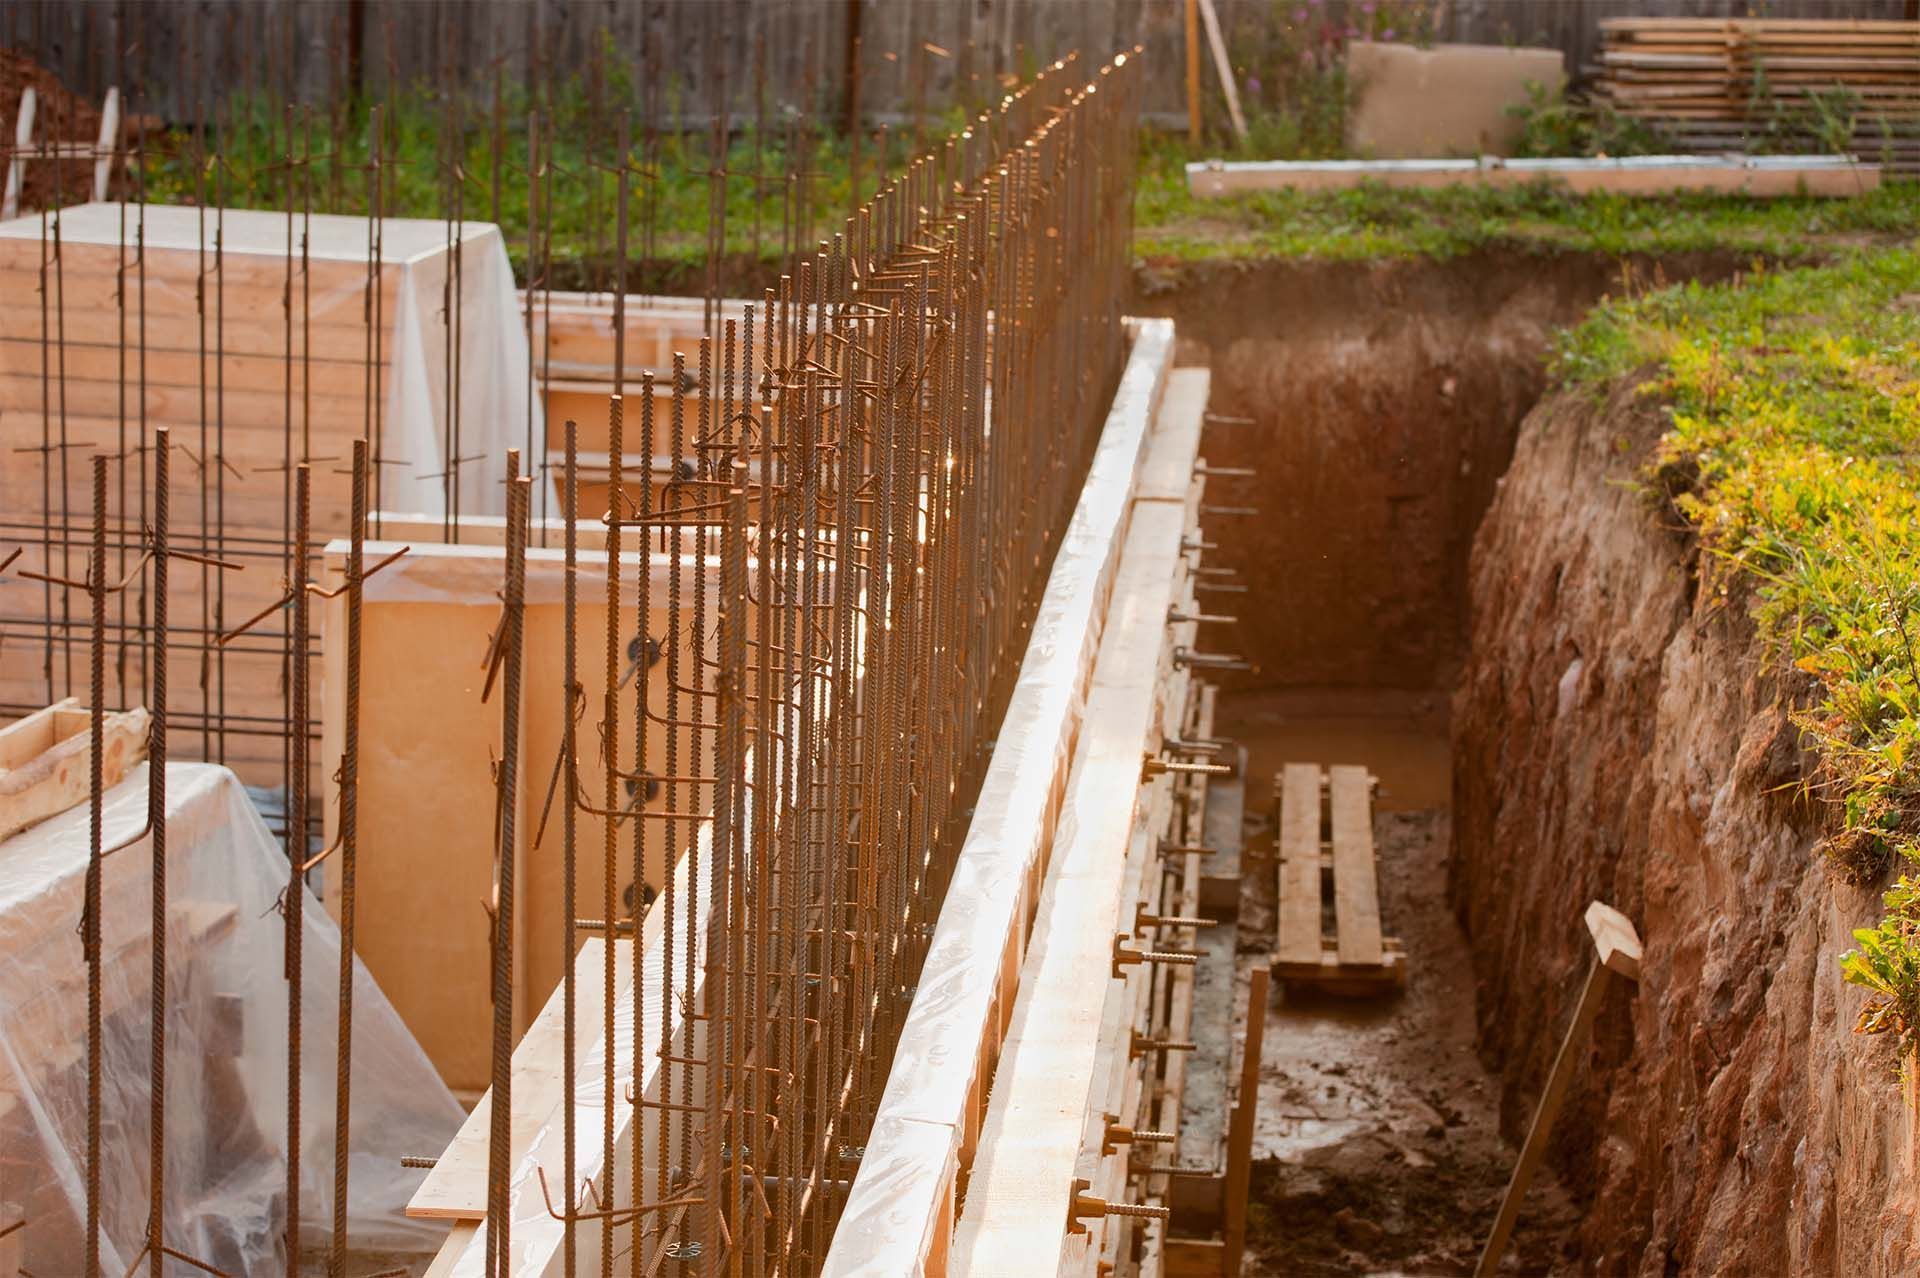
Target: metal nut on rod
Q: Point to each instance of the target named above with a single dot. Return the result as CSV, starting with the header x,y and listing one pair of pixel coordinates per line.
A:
x,y
1175,617
1124,956
1086,1206
1187,657
1118,1134
1142,917
1152,766
1139,1044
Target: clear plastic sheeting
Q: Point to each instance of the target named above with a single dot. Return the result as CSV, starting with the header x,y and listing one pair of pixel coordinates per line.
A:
x,y
487,341
905,1181
227,1046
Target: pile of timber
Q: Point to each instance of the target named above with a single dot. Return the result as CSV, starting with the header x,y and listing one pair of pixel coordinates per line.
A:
x,y
1714,84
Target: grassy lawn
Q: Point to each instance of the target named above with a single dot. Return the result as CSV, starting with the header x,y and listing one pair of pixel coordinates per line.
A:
x,y
1372,222
670,189
1793,452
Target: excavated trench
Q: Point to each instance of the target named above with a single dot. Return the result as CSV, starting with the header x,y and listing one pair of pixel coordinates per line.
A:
x,y
1380,405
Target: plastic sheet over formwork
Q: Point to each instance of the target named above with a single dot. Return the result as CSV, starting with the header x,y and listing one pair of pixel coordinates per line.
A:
x,y
902,1198
227,1045
487,383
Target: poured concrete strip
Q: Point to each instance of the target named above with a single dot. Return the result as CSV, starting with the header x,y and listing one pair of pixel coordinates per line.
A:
x,y
1752,175
899,1214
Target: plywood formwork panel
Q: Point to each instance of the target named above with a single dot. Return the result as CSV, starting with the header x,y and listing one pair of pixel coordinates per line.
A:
x,y
260,341
427,798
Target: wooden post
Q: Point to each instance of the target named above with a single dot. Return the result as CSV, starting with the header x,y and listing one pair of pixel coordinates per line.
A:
x,y
1225,68
23,137
107,146
1193,72
1240,1124
1616,949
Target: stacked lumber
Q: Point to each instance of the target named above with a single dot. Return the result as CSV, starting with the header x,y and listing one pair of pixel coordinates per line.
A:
x,y
1713,84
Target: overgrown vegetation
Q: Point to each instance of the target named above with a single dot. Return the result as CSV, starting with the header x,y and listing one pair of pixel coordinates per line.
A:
x,y
1551,123
1796,414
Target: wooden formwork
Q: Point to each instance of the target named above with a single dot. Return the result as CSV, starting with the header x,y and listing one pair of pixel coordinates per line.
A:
x,y
428,740
930,1144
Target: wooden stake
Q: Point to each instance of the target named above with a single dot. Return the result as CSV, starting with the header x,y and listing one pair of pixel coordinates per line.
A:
x,y
1224,67
1616,949
105,148
23,138
1193,72
1240,1124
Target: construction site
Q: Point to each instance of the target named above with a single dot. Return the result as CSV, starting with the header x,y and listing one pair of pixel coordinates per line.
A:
x,y
865,639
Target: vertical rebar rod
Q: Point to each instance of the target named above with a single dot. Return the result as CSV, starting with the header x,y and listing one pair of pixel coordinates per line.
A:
x,y
91,925
296,837
499,1215
349,861
157,814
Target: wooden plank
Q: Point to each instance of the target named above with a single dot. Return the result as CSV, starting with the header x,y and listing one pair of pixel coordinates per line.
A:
x,y
27,738
1246,1104
1015,1220
1223,65
1356,888
1299,902
456,1188
60,777
104,146
459,1238
1615,942
1193,1258
17,166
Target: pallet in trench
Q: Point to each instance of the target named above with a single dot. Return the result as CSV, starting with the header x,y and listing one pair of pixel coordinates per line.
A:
x,y
1329,903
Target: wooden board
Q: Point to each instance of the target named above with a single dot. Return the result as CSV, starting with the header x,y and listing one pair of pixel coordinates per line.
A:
x,y
426,791
58,775
1299,935
456,1188
1356,888
1014,1221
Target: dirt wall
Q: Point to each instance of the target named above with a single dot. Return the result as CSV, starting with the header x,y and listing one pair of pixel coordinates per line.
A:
x,y
1618,734
1384,398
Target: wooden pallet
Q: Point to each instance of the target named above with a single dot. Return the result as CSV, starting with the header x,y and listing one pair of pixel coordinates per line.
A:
x,y
1328,875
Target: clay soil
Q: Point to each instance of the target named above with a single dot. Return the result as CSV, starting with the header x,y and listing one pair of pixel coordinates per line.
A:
x,y
1377,1146
1380,404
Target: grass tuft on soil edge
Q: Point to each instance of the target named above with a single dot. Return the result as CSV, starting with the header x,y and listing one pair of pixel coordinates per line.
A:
x,y
1795,439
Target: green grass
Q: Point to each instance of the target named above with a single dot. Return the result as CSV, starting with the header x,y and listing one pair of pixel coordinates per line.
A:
x,y
1374,221
669,192
428,164
1793,453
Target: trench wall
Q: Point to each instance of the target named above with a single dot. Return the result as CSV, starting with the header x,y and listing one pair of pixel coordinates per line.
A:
x,y
1619,734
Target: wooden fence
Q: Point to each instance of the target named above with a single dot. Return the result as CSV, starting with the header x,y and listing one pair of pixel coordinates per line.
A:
x,y
176,56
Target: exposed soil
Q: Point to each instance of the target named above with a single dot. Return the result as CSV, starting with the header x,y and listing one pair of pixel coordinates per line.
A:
x,y
1377,1144
1619,734
1383,400
58,116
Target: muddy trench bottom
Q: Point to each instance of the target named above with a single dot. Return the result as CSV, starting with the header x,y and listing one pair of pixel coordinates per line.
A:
x,y
1377,1148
